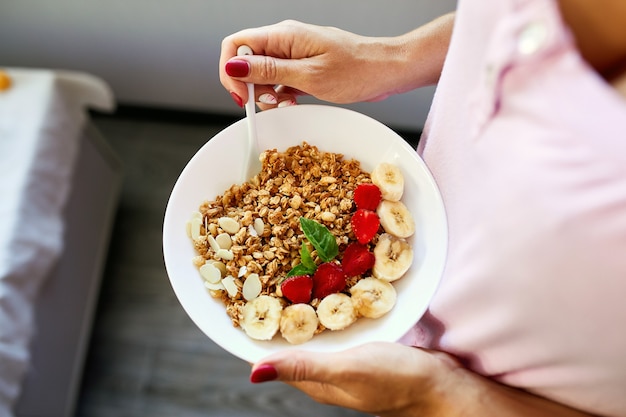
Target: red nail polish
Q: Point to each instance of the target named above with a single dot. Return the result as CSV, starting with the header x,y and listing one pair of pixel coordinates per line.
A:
x,y
237,68
263,373
237,99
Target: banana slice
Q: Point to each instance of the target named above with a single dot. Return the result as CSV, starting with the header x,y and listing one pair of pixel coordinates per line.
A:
x,y
395,218
390,181
373,297
298,323
260,317
394,257
336,311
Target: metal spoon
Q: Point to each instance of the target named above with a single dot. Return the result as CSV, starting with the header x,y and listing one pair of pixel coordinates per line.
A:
x,y
252,164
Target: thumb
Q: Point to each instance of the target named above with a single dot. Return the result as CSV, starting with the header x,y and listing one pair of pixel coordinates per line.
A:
x,y
293,366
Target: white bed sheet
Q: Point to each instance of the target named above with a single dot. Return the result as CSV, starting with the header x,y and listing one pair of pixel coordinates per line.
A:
x,y
41,119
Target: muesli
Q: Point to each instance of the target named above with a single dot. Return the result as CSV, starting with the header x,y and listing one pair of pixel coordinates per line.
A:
x,y
312,242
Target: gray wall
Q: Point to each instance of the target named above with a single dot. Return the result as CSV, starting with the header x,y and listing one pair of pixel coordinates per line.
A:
x,y
165,53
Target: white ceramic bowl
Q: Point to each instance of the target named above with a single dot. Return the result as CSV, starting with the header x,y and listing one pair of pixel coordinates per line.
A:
x,y
218,165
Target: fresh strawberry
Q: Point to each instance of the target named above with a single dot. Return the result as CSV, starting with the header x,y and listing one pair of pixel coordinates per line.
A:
x,y
357,259
328,279
297,288
367,196
365,225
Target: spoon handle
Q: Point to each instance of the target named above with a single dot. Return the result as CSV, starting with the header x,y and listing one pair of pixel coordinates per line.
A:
x,y
250,106
252,164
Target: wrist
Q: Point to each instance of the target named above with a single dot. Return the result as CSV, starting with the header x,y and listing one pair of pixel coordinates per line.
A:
x,y
412,60
465,393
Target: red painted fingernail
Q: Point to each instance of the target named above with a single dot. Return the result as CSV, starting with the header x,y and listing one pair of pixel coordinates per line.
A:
x,y
263,373
237,99
237,68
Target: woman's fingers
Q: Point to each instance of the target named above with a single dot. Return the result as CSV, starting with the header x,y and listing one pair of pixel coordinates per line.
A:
x,y
263,71
295,366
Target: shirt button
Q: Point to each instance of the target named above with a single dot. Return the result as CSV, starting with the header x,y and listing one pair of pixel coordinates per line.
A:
x,y
531,38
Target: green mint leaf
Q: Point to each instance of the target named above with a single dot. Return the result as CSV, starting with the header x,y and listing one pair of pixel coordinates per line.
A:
x,y
306,258
320,237
299,269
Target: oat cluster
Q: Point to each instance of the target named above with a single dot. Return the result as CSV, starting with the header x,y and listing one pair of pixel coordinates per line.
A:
x,y
301,181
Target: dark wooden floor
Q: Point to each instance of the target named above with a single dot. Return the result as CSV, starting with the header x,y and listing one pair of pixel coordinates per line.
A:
x,y
146,357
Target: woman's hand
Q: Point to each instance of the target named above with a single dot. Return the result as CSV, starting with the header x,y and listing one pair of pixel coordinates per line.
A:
x,y
331,64
378,378
328,63
389,379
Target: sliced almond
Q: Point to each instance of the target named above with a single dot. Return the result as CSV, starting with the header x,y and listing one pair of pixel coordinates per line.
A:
x,y
224,241
213,243
230,286
242,271
214,287
259,226
194,227
210,273
251,287
225,254
229,225
219,265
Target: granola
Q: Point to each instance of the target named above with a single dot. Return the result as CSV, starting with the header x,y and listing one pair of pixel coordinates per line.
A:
x,y
297,215
299,182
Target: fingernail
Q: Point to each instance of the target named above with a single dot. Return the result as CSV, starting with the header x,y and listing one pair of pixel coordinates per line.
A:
x,y
237,68
286,103
237,99
263,373
267,98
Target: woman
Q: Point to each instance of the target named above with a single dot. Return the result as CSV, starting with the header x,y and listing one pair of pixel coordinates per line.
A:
x,y
526,139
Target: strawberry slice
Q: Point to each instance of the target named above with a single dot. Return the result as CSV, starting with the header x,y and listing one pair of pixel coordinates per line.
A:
x,y
365,225
328,279
297,288
367,196
357,259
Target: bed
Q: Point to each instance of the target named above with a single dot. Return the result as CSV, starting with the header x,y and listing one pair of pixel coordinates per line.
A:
x,y
59,182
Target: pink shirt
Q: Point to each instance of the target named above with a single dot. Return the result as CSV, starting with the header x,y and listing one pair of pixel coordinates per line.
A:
x,y
528,146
